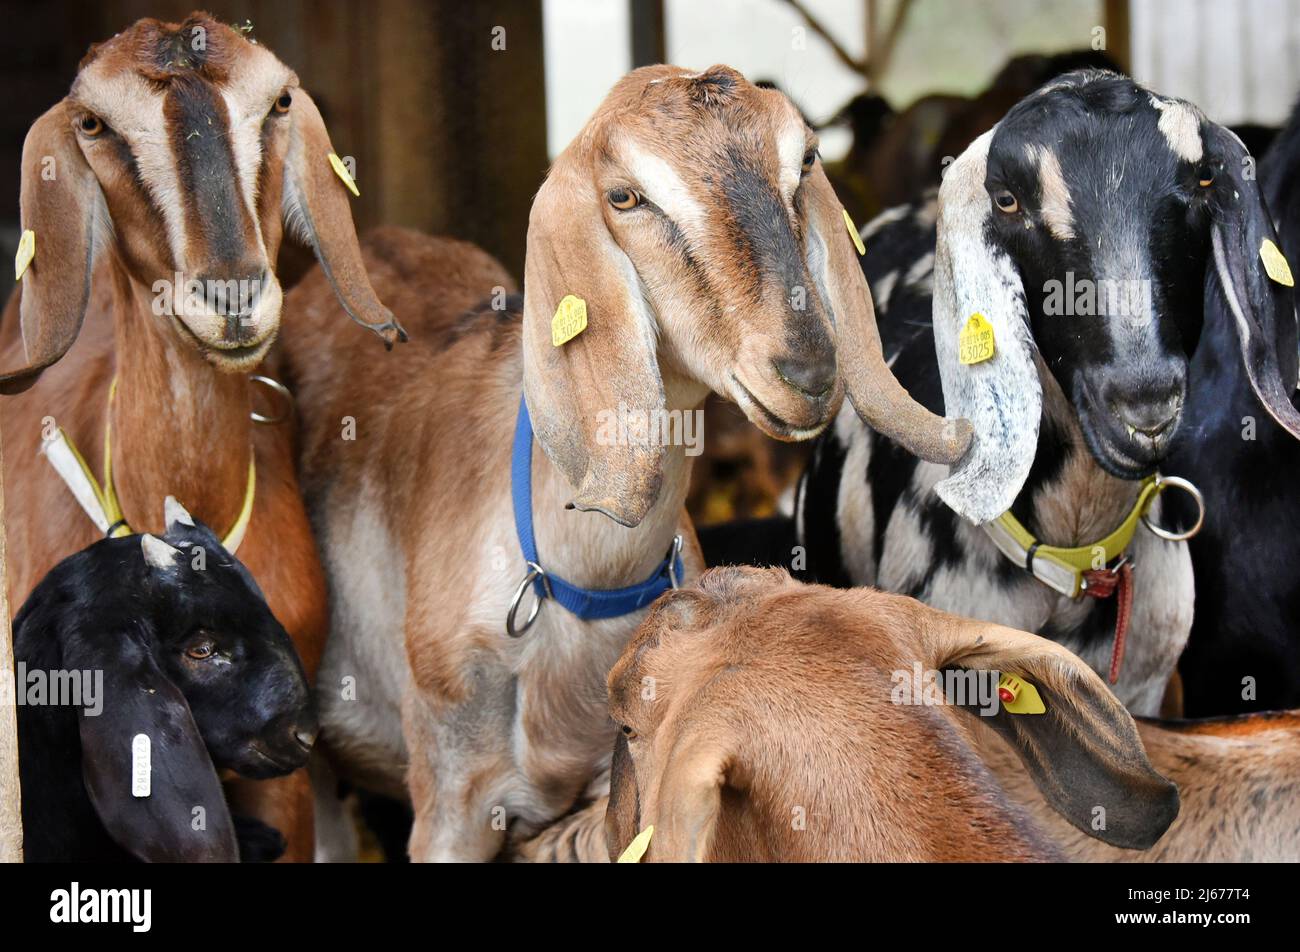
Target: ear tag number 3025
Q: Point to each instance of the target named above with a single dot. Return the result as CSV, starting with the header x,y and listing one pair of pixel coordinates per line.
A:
x,y
975,344
1275,264
569,321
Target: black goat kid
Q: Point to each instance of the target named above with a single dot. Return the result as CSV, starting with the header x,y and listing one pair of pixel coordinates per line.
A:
x,y
169,639
1244,651
1055,306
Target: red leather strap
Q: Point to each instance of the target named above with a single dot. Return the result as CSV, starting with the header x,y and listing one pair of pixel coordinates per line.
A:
x,y
1103,583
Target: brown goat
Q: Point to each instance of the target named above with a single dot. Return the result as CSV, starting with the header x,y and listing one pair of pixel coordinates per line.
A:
x,y
180,150
693,218
761,721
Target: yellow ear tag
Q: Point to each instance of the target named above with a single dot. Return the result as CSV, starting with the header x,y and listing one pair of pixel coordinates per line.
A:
x,y
1019,696
569,321
342,172
636,849
853,233
26,252
1275,264
975,344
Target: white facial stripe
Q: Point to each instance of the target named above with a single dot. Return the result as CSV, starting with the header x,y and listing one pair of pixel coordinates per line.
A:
x,y
134,110
664,187
791,146
246,149
1181,127
1055,207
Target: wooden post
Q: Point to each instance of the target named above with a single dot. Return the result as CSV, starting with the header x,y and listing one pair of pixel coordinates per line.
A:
x,y
11,815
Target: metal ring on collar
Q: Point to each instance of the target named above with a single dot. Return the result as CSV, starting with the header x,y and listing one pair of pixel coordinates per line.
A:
x,y
1177,482
673,555
278,388
535,572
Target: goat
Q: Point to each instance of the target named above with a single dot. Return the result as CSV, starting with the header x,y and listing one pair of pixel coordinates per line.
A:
x,y
184,651
687,195
173,161
762,719
1092,183
1244,651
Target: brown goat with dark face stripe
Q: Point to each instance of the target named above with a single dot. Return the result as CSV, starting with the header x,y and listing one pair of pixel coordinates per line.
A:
x,y
181,151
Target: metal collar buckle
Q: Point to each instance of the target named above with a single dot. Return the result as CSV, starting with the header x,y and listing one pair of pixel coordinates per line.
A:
x,y
534,573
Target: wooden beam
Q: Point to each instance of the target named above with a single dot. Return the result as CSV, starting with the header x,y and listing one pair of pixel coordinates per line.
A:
x,y
1119,33
649,45
11,814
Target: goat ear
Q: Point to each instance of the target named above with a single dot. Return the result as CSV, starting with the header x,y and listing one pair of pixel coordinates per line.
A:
x,y
316,209
623,814
137,699
609,366
689,804
1001,396
1083,752
60,200
876,395
1262,309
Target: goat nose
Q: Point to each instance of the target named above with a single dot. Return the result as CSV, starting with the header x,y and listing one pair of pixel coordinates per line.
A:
x,y
234,294
811,377
1151,415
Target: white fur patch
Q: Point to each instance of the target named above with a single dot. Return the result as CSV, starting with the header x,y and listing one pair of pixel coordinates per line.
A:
x,y
1055,204
1181,127
664,187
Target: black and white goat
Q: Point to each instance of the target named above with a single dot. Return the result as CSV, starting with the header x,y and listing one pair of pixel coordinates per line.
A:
x,y
1090,185
1244,650
171,639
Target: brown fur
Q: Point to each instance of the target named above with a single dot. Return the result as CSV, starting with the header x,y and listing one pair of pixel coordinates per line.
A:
x,y
181,415
759,724
685,296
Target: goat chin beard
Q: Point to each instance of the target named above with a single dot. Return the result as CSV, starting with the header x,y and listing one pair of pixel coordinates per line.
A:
x,y
775,426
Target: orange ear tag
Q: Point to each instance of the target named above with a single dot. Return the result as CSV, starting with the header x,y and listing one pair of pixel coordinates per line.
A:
x,y
26,252
853,233
1019,696
569,321
1275,264
342,172
636,849
975,343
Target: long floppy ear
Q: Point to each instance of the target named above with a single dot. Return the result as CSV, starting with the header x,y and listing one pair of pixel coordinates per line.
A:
x,y
1001,396
60,201
138,699
1263,311
1083,752
611,366
316,209
623,815
689,804
876,395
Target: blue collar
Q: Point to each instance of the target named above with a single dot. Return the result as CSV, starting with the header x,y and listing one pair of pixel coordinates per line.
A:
x,y
584,603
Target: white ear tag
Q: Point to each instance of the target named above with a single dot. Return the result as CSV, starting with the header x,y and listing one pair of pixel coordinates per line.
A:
x,y
26,252
141,766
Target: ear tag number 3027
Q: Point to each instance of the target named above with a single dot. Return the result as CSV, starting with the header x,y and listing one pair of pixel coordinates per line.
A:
x,y
975,344
1275,264
569,321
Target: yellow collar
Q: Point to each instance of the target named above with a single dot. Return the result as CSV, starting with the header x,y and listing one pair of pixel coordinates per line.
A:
x,y
101,502
1062,568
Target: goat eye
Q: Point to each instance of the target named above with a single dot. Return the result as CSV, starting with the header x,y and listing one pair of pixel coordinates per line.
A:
x,y
809,160
92,125
624,198
283,103
1207,178
1007,202
201,651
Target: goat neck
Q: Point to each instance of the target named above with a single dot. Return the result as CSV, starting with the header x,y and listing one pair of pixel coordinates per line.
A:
x,y
179,428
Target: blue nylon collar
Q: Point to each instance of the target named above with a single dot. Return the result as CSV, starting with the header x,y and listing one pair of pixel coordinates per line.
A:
x,y
583,602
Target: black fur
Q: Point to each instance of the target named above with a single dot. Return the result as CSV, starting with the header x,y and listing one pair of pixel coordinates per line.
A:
x,y
244,707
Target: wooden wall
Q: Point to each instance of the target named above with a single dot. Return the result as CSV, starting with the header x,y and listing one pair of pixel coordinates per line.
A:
x,y
449,135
